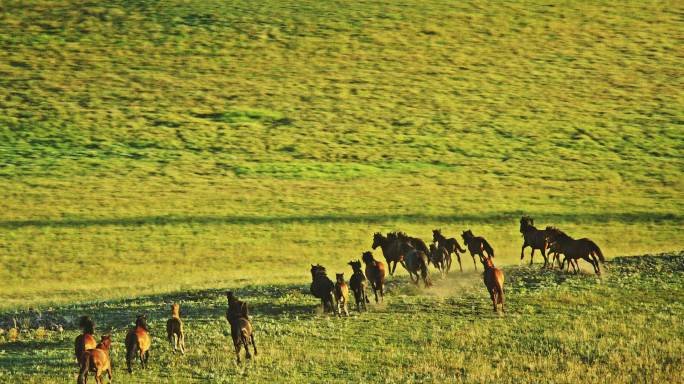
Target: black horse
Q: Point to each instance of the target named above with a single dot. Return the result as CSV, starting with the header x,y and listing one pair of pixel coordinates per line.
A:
x,y
322,287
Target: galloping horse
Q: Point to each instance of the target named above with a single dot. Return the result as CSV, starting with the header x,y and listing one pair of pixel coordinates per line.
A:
x,y
341,294
375,272
577,249
96,360
416,263
451,245
86,340
174,329
390,250
241,330
322,287
477,246
357,282
138,342
534,238
440,258
494,281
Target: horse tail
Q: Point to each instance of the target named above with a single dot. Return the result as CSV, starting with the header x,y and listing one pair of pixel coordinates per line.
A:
x,y
598,252
131,349
244,336
85,365
488,248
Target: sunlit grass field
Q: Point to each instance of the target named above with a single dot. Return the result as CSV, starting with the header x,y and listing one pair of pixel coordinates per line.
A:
x,y
158,148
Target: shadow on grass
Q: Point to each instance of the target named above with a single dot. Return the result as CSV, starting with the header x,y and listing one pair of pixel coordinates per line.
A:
x,y
490,218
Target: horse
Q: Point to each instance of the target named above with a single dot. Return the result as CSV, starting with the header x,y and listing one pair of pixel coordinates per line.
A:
x,y
416,264
375,272
357,282
341,294
494,281
174,329
477,246
96,360
241,330
390,251
574,249
138,342
415,242
440,258
322,287
451,245
534,238
86,340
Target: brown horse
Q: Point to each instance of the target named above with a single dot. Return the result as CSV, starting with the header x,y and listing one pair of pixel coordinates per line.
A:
x,y
477,246
174,329
577,249
494,281
390,250
450,245
375,272
357,282
322,287
138,343
534,238
86,340
96,360
241,330
341,294
414,242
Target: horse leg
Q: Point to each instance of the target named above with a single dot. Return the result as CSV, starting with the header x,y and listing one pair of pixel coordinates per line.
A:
x,y
237,344
109,372
147,358
532,256
253,344
522,251
458,257
546,259
474,262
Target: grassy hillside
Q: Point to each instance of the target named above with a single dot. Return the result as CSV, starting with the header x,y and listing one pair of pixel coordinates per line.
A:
x,y
151,147
625,328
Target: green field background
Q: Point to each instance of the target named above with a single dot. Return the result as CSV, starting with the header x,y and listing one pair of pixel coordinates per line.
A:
x,y
153,147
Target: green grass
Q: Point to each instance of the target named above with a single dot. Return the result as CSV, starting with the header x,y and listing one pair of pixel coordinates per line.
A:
x,y
558,328
152,149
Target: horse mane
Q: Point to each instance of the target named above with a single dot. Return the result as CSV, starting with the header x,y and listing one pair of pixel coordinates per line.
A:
x,y
87,324
558,233
141,322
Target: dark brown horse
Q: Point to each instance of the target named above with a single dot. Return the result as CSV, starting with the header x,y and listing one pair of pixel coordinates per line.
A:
x,y
96,360
450,245
534,238
390,250
577,249
322,287
414,242
416,263
241,330
174,329
86,340
477,246
138,343
357,282
341,294
375,272
440,258
494,281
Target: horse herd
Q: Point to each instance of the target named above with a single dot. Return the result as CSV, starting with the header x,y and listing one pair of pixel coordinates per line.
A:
x,y
415,256
411,253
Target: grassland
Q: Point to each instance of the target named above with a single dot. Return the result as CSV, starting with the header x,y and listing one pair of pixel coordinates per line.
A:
x,y
558,328
151,149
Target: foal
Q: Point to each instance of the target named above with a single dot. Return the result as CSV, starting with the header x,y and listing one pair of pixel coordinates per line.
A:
x,y
477,246
96,360
174,329
86,340
241,329
138,342
358,285
341,294
375,272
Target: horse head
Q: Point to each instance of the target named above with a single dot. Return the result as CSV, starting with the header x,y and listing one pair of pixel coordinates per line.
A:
x,y
437,235
141,321
105,342
467,236
378,240
339,277
356,265
367,257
